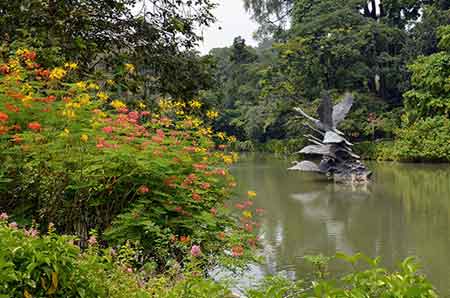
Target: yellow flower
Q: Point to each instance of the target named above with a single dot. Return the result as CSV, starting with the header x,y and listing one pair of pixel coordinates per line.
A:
x,y
117,104
57,73
103,96
84,138
102,115
196,122
65,133
195,104
26,88
84,99
247,214
232,139
110,82
71,65
205,131
93,86
251,193
69,113
228,159
20,52
27,98
165,104
212,114
130,68
81,85
221,135
141,105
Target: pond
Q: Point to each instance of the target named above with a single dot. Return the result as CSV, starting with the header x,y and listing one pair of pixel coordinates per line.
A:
x,y
404,212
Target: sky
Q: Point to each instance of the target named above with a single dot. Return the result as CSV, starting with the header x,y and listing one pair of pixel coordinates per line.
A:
x,y
232,21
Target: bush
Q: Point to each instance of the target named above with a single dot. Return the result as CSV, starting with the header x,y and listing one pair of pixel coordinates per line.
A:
x,y
74,155
372,282
425,140
50,266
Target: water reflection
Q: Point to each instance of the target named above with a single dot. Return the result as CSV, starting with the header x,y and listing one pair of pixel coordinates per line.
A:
x,y
405,211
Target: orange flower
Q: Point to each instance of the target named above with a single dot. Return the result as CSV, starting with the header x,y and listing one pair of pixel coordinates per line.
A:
x,y
16,139
3,117
237,251
184,239
11,108
30,55
34,126
4,69
196,197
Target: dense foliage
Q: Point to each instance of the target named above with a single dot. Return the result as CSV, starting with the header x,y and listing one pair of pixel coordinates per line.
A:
x,y
367,47
51,266
77,157
158,36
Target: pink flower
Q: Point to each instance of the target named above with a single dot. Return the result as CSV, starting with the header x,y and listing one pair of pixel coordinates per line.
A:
x,y
31,232
220,172
205,185
248,203
240,206
143,189
133,115
196,197
196,251
108,129
4,216
259,211
248,227
92,240
157,139
213,211
200,166
129,270
13,225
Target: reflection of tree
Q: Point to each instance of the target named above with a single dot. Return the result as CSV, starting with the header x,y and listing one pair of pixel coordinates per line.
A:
x,y
406,212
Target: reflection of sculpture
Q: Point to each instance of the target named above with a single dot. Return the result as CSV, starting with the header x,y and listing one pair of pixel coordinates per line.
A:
x,y
338,160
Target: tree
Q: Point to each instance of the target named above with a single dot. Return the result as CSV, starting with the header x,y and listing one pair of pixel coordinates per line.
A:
x,y
101,34
429,96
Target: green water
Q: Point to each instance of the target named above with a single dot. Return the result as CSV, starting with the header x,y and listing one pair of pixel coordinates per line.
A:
x,y
404,212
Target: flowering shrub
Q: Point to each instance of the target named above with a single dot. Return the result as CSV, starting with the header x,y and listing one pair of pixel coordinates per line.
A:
x,y
50,266
74,155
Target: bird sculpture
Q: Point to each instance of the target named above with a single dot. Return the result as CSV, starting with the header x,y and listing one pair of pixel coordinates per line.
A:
x,y
338,161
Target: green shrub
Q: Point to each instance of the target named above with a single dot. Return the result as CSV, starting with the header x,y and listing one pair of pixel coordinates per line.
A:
x,y
50,266
362,283
74,155
425,140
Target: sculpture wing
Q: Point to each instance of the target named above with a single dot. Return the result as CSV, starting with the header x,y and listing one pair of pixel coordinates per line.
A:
x,y
341,109
319,150
305,166
333,138
316,122
325,111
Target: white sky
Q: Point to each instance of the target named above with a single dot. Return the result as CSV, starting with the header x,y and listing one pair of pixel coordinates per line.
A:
x,y
234,21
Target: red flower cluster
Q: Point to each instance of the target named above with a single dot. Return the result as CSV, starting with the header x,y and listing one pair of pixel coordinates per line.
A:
x,y
34,126
3,117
